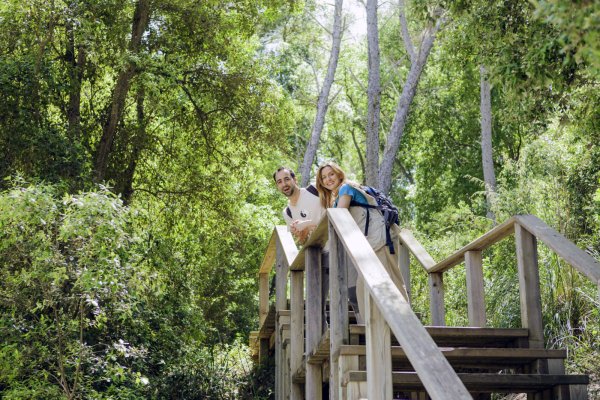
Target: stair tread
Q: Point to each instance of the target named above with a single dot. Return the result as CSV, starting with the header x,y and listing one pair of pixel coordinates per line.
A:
x,y
481,381
474,352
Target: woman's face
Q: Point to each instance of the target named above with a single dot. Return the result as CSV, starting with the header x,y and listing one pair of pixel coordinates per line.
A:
x,y
330,179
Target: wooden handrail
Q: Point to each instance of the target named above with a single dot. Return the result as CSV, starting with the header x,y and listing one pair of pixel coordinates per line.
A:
x,y
416,249
562,246
495,235
438,377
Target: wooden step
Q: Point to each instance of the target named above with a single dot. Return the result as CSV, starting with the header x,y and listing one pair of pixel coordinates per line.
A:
x,y
453,336
486,383
471,357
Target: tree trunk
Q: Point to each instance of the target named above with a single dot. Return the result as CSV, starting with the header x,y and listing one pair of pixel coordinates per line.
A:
x,y
137,143
76,66
374,96
489,177
406,98
139,25
322,104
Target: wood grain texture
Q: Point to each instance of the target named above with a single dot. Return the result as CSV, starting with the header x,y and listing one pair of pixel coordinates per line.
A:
x,y
475,294
313,321
562,246
493,236
436,373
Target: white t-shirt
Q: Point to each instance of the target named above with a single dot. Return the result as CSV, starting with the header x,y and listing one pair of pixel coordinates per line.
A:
x,y
307,208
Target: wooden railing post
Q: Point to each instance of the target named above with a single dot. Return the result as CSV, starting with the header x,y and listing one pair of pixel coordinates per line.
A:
x,y
314,320
379,357
404,261
436,295
475,294
338,312
529,286
281,280
296,329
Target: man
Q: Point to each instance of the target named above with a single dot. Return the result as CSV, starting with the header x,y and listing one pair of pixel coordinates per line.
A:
x,y
304,210
302,215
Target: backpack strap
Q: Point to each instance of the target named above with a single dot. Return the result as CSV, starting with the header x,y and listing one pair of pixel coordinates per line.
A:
x,y
366,191
312,190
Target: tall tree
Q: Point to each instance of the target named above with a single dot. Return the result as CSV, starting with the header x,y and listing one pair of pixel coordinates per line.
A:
x,y
489,176
418,59
323,101
373,95
141,18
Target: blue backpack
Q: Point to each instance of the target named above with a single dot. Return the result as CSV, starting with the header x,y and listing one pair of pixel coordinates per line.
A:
x,y
387,209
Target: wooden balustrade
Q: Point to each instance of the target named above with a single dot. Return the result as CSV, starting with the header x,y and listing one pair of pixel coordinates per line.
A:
x,y
385,307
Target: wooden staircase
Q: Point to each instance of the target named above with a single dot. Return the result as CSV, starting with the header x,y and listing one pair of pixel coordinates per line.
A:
x,y
394,356
487,360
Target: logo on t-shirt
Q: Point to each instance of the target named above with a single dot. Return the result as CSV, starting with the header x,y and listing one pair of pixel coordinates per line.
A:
x,y
303,213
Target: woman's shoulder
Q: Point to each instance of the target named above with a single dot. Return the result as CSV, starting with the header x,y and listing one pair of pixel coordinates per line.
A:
x,y
346,188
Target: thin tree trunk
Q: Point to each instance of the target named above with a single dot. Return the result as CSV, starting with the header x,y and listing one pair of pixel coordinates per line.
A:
x,y
406,98
138,141
76,66
374,96
323,102
139,25
489,176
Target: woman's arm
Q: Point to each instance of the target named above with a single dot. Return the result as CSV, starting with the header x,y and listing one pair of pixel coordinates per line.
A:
x,y
344,201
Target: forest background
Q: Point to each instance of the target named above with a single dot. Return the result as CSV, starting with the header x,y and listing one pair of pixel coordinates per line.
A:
x,y
139,138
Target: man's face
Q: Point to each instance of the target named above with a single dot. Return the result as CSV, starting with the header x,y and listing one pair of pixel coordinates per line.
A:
x,y
285,183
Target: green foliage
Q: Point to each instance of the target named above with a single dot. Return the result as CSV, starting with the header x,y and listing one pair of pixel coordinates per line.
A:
x,y
68,301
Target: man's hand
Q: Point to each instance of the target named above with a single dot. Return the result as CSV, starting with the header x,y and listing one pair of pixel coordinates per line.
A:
x,y
302,230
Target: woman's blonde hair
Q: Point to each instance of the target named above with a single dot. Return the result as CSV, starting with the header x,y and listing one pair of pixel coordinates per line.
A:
x,y
325,195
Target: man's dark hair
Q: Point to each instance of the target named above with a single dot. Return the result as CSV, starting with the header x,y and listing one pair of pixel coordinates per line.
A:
x,y
292,174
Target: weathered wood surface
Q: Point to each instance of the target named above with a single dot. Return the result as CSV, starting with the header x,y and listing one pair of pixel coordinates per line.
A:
x,y
529,286
466,336
483,355
495,235
562,246
378,347
338,315
417,250
508,383
316,239
313,321
436,298
435,371
296,328
475,294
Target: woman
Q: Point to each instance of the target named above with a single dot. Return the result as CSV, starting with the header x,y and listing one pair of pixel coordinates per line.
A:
x,y
338,192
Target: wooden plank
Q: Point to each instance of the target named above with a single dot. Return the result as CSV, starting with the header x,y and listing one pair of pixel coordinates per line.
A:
x,y
529,286
562,246
288,246
314,321
421,255
404,261
436,298
269,258
470,354
317,239
503,383
379,359
338,306
493,236
263,296
296,329
465,336
437,374
475,295
281,280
